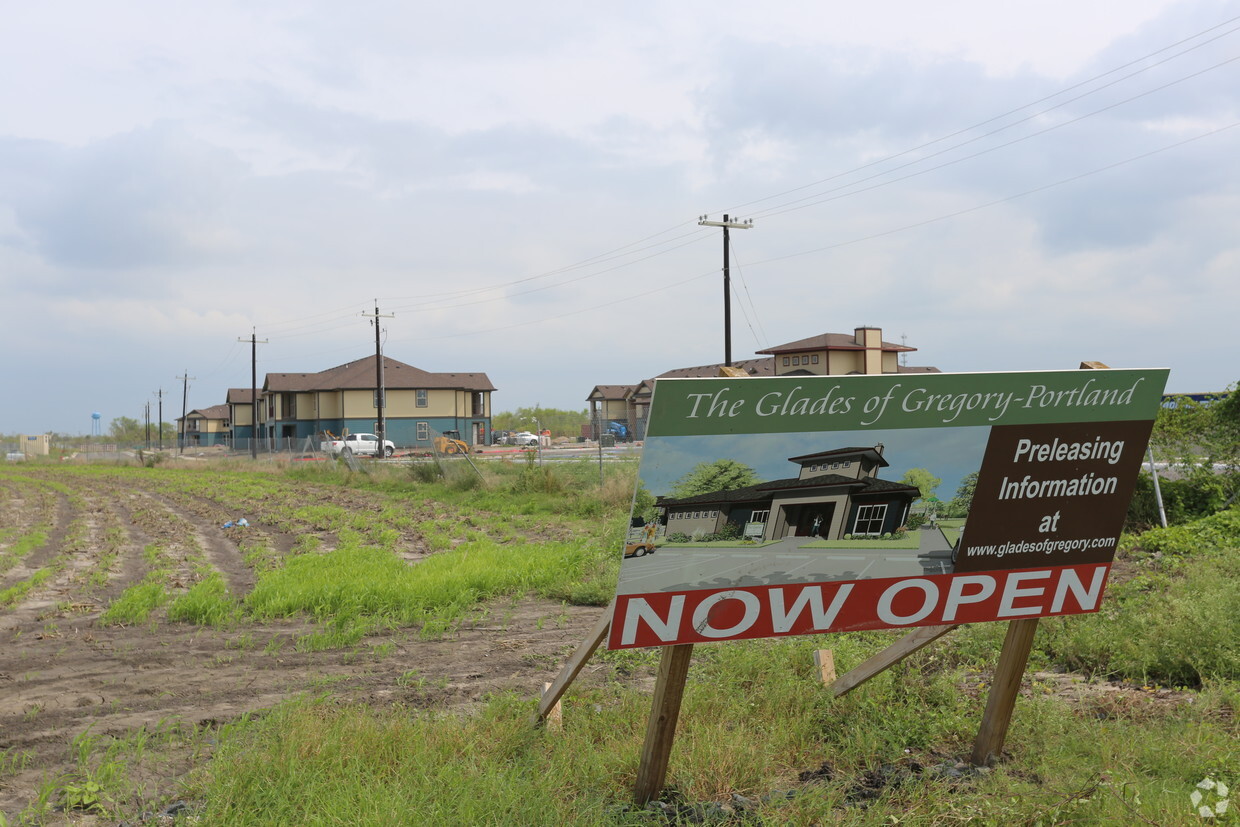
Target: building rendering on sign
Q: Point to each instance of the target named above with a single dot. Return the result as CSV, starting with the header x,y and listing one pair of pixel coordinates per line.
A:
x,y
837,493
827,354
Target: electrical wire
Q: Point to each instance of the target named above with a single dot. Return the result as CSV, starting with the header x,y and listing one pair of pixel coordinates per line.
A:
x,y
871,237
787,208
334,320
1016,110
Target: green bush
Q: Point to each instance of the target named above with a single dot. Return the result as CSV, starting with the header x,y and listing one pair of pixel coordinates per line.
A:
x,y
1206,535
1197,495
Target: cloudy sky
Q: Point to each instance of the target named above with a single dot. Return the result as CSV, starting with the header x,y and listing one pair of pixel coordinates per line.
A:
x,y
1002,186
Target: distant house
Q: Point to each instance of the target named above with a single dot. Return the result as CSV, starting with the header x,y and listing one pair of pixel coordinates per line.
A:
x,y
207,426
418,404
863,352
838,354
837,492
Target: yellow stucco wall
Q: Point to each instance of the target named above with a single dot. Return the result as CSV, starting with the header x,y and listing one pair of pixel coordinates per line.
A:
x,y
612,408
358,404
329,404
845,361
873,340
307,406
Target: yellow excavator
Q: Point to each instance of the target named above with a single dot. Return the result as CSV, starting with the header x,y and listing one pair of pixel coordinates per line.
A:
x,y
450,442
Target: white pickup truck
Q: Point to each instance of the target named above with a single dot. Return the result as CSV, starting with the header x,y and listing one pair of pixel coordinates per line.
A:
x,y
360,445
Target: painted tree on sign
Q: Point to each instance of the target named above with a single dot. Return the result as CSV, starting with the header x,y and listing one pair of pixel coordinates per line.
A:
x,y
720,475
959,505
925,482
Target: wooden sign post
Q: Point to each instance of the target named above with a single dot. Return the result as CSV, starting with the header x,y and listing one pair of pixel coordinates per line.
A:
x,y
669,690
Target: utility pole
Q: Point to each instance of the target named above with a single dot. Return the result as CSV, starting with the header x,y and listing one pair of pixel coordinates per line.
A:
x,y
253,391
160,394
380,400
727,279
148,424
184,409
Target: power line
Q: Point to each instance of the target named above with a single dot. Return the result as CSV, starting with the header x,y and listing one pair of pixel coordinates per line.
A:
x,y
787,208
1016,110
319,323
839,245
1005,199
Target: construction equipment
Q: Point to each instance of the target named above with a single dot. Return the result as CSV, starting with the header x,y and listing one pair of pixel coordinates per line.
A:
x,y
450,442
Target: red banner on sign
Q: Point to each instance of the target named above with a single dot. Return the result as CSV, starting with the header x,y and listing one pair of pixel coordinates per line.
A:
x,y
706,615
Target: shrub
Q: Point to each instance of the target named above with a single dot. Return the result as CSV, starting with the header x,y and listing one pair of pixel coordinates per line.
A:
x,y
1208,534
1197,495
426,471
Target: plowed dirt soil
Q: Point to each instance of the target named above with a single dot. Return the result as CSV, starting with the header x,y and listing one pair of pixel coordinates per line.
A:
x,y
65,673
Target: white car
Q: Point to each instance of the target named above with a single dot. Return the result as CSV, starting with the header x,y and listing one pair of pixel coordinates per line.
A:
x,y
523,438
360,445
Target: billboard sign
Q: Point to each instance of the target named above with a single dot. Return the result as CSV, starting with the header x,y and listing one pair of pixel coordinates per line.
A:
x,y
811,504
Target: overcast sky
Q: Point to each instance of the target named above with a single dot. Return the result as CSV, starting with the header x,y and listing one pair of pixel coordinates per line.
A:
x,y
1002,186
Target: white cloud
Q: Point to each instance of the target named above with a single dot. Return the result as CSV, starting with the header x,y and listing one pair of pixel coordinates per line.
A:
x,y
178,177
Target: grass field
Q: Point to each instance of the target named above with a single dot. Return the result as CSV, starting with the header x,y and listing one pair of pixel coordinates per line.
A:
x,y
396,599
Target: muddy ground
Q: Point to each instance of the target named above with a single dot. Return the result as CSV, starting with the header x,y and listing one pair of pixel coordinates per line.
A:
x,y
64,673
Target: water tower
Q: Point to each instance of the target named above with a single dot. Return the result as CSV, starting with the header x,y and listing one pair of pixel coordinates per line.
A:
x,y
94,423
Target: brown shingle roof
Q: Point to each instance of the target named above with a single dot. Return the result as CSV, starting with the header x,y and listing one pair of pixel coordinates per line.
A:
x,y
360,375
213,412
611,392
832,341
754,367
240,396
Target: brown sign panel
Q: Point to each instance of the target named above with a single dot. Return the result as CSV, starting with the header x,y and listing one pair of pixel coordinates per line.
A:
x,y
1052,494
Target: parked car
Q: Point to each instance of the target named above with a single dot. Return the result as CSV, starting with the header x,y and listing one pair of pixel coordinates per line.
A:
x,y
524,438
360,445
638,549
500,437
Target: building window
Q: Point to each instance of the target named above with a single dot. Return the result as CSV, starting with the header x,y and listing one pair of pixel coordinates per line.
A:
x,y
423,431
814,359
786,361
796,360
760,516
870,519
421,394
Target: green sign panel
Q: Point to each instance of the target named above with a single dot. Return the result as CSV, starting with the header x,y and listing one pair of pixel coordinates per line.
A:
x,y
687,407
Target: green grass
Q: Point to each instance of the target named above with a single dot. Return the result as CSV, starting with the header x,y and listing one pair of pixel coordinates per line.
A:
x,y
752,723
755,722
136,603
356,580
206,603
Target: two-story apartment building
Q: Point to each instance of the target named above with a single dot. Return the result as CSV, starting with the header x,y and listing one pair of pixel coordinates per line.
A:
x,y
417,404
207,426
